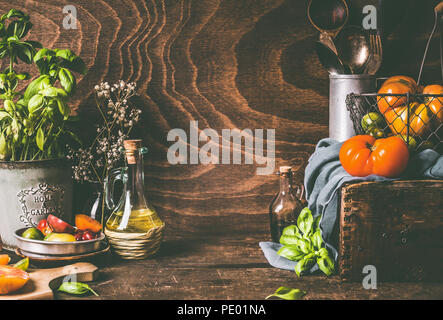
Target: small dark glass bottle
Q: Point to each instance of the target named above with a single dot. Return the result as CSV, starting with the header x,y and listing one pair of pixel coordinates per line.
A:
x,y
285,207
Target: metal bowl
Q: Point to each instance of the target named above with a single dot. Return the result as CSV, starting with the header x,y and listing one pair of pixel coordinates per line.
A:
x,y
55,248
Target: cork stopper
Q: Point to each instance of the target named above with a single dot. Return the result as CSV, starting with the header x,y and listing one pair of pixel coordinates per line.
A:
x,y
131,149
285,169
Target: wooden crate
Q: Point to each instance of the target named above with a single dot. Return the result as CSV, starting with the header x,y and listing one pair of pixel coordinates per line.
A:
x,y
395,226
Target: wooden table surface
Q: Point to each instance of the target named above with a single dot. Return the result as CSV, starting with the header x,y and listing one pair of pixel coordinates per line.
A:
x,y
226,262
230,267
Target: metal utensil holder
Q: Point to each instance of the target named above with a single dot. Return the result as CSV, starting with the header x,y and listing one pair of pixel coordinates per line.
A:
x,y
341,126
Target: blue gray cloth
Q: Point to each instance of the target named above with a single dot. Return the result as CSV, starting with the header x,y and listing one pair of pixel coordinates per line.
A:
x,y
324,176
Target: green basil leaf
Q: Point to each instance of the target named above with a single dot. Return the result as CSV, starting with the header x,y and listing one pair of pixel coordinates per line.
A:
x,y
76,288
23,32
18,28
40,139
9,106
322,252
291,231
291,252
3,115
67,80
43,66
49,92
3,52
305,221
66,54
288,294
25,53
36,103
316,224
35,86
317,239
42,53
289,240
305,264
23,76
305,245
13,39
61,93
34,44
2,30
63,108
76,65
14,13
326,265
4,149
14,29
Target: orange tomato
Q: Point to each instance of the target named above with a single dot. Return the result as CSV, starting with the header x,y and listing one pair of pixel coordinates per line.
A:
x,y
12,279
395,85
4,259
402,79
84,222
435,104
420,119
364,155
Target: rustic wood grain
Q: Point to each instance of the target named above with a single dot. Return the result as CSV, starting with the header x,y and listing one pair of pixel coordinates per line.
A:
x,y
228,64
395,226
230,267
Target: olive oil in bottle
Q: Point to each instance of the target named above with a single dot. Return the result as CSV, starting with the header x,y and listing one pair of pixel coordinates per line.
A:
x,y
139,221
134,229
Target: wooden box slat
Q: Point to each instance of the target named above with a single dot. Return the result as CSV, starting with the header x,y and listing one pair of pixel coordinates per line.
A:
x,y
395,226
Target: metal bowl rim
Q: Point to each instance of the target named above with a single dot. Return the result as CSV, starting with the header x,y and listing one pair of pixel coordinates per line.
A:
x,y
102,237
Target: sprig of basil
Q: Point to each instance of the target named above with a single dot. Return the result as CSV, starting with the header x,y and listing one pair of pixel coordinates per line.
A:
x,y
76,288
288,293
32,124
304,243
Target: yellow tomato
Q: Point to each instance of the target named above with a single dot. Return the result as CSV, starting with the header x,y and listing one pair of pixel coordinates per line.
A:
x,y
419,119
435,103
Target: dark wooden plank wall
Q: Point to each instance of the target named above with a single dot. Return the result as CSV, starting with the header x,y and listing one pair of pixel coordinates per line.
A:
x,y
228,64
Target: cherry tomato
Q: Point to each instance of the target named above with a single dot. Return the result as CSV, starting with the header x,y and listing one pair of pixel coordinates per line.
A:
x,y
79,235
88,235
44,227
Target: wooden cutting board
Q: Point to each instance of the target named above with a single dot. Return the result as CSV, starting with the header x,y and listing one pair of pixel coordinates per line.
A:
x,y
42,281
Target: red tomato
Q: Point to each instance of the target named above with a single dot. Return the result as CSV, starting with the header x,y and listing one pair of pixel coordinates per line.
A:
x,y
88,235
44,227
364,155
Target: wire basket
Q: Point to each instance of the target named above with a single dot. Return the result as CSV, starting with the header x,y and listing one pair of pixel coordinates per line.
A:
x,y
416,118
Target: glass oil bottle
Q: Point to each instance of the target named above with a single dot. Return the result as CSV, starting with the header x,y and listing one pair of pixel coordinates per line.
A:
x,y
134,229
286,205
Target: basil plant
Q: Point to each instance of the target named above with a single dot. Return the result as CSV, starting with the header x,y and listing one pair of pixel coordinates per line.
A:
x,y
33,123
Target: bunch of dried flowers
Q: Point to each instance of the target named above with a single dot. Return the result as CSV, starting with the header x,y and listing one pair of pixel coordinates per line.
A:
x,y
92,163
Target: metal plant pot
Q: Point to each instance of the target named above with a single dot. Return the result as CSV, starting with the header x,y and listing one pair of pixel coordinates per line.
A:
x,y
29,191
